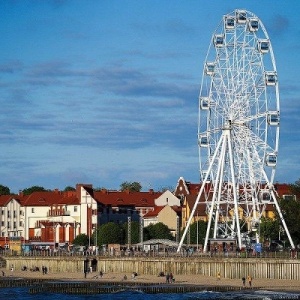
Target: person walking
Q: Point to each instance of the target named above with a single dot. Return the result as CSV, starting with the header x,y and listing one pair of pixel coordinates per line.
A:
x,y
250,280
244,281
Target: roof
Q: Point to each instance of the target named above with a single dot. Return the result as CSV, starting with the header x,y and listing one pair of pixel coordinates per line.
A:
x,y
154,213
49,198
118,198
4,199
186,188
165,242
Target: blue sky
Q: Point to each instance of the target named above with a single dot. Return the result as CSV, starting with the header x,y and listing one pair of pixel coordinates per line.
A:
x,y
104,92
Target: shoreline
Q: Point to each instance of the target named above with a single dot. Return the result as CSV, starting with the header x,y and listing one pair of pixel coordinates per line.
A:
x,y
282,285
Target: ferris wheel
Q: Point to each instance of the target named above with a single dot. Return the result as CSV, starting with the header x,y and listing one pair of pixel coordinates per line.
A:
x,y
238,129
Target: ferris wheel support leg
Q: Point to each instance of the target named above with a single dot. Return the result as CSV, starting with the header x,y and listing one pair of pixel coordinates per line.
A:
x,y
236,211
282,220
222,139
198,198
218,188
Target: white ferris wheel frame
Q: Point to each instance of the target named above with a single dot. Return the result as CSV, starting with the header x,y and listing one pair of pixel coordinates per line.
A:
x,y
238,128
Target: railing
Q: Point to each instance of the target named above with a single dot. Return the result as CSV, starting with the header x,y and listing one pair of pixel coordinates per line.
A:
x,y
286,254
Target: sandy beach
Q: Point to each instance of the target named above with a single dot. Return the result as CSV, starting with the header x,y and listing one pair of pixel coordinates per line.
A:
x,y
265,284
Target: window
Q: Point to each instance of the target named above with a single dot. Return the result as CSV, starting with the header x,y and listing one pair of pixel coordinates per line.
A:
x,y
32,210
14,213
20,224
75,208
8,214
2,212
2,223
8,224
15,225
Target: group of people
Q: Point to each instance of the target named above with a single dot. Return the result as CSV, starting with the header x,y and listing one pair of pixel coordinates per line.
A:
x,y
249,279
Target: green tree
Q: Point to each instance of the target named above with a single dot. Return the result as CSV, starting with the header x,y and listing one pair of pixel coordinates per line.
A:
x,y
135,232
201,232
110,233
4,190
131,186
157,231
69,188
166,188
295,188
268,229
290,210
32,189
81,240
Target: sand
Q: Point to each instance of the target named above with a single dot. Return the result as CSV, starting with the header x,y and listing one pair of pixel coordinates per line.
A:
x,y
263,284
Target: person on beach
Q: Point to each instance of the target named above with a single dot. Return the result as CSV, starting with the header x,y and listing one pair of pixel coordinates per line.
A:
x,y
250,280
167,278
244,281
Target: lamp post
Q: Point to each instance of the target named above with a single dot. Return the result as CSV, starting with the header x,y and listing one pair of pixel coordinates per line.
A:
x,y
197,234
89,223
141,230
129,231
177,229
96,240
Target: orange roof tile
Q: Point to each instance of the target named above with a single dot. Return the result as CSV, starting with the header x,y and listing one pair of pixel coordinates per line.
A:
x,y
49,198
117,198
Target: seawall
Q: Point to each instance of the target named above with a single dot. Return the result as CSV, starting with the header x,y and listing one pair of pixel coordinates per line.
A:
x,y
232,268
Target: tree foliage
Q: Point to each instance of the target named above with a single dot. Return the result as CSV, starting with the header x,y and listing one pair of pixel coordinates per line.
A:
x,y
295,188
291,210
130,186
81,240
109,233
32,189
191,236
135,232
269,229
69,188
4,190
157,231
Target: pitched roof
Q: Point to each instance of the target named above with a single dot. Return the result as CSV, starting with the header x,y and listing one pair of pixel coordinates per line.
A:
x,y
48,198
4,199
154,213
185,188
118,198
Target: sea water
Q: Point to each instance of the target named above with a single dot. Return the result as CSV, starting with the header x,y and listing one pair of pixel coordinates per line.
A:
x,y
23,293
